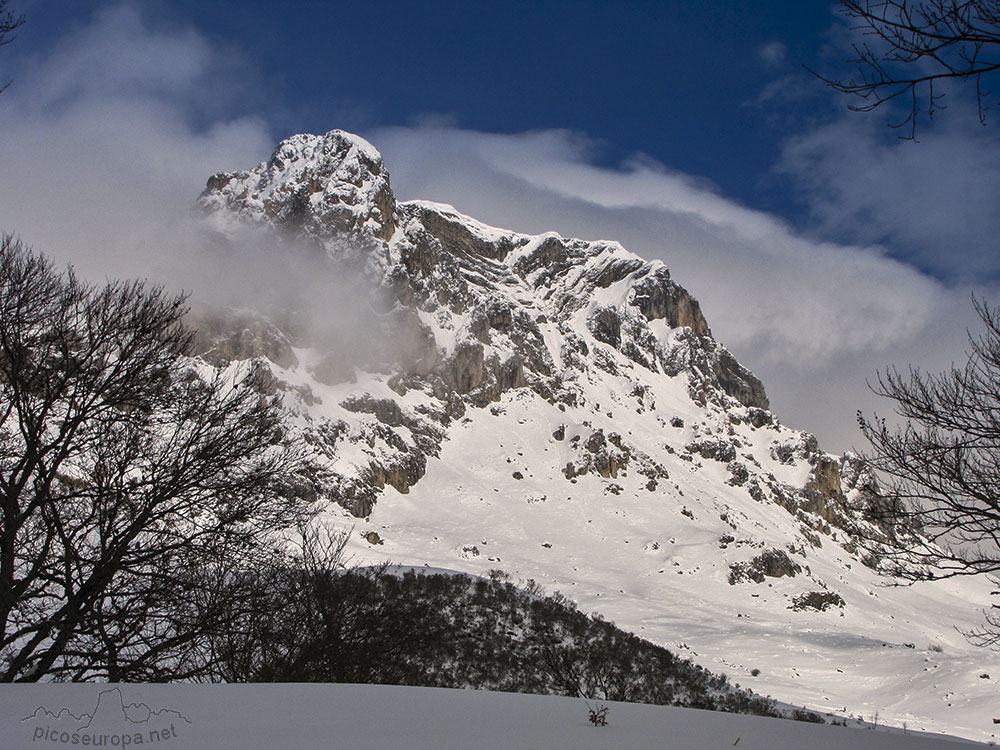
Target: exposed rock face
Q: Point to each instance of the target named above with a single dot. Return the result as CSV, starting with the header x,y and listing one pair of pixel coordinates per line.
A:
x,y
606,325
401,474
713,449
737,381
712,370
227,335
659,298
466,367
825,480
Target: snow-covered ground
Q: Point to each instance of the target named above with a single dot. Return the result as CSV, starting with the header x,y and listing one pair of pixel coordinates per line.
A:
x,y
359,717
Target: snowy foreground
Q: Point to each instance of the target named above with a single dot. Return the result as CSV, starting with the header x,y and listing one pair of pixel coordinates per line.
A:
x,y
385,717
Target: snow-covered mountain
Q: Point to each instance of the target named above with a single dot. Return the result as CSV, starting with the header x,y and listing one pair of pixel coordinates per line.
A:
x,y
478,398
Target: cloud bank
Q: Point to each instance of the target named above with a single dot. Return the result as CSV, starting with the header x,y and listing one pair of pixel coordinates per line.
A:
x,y
109,139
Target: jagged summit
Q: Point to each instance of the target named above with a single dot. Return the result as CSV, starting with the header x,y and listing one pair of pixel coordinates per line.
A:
x,y
559,408
323,187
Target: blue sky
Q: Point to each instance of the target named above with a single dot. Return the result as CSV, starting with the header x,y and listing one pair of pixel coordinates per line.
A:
x,y
675,80
821,247
672,80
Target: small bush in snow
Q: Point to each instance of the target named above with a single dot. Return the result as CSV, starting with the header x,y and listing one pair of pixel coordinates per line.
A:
x,y
598,715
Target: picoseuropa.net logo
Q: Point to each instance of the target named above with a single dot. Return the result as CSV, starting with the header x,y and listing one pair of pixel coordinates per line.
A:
x,y
112,723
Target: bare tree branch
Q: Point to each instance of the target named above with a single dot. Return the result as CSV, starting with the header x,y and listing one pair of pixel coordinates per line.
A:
x,y
9,23
939,472
909,47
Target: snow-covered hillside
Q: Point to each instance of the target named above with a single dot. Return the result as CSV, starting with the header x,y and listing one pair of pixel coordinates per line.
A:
x,y
558,409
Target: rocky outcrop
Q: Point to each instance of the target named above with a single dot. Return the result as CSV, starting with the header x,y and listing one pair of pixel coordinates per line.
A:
x,y
825,480
712,370
229,335
606,326
817,600
604,454
457,239
465,367
549,257
715,449
658,298
737,381
384,410
401,473
772,563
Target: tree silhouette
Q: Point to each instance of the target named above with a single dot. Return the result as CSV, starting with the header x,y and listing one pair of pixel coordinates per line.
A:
x,y
131,480
940,470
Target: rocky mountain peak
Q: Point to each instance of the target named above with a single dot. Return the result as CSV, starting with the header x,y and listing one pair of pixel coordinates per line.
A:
x,y
322,187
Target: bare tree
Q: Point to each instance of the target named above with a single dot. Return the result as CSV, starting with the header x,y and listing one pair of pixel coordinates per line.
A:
x,y
940,471
912,47
9,23
130,480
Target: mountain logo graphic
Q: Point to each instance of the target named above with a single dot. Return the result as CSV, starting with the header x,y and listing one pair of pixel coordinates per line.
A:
x,y
112,723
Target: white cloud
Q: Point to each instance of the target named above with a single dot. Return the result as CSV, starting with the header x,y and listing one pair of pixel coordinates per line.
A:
x,y
106,144
773,54
934,202
785,90
117,56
